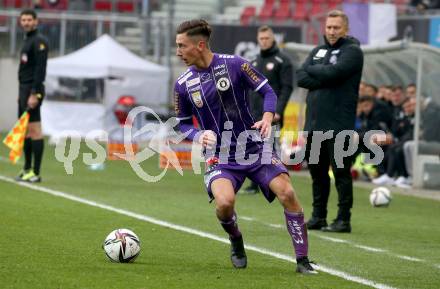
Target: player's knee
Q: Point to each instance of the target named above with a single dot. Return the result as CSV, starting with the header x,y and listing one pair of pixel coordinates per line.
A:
x,y
224,204
286,195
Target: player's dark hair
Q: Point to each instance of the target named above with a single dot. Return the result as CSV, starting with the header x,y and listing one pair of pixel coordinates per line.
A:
x,y
195,27
29,12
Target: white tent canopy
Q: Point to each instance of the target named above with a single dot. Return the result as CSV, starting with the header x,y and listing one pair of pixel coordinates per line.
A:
x,y
123,72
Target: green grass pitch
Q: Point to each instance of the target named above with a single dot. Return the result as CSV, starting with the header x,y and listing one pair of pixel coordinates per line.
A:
x,y
52,242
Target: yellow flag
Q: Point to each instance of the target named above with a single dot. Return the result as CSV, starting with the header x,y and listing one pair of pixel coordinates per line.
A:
x,y
15,138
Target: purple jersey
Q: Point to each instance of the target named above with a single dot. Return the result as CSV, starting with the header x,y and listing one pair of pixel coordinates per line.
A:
x,y
217,97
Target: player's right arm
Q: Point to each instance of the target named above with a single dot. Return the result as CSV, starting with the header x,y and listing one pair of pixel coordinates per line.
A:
x,y
183,109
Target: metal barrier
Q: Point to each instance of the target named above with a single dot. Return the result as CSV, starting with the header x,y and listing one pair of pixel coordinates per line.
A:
x,y
67,32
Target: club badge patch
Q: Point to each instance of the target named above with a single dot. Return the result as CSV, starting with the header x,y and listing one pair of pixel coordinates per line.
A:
x,y
197,98
24,58
270,66
223,84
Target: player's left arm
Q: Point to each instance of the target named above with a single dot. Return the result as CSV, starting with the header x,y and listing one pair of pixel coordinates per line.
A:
x,y
256,81
40,52
348,63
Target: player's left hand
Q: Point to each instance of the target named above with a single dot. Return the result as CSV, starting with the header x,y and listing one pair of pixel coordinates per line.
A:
x,y
264,125
32,101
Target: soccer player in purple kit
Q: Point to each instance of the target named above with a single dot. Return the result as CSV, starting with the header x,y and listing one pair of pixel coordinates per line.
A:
x,y
213,89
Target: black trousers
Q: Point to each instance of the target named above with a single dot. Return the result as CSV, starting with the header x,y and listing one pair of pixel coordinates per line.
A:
x,y
395,160
321,179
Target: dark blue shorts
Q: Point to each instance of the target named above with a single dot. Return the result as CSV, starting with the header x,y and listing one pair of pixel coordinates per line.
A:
x,y
262,174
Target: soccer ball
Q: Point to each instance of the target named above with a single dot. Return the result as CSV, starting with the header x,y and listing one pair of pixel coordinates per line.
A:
x,y
380,197
122,245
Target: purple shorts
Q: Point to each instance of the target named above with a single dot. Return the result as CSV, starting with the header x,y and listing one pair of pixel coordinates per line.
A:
x,y
262,174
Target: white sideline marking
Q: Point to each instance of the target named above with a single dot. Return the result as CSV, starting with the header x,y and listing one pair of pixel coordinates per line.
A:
x,y
409,258
176,227
337,240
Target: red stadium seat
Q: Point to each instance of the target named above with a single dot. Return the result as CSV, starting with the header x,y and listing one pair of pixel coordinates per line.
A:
x,y
282,13
300,10
247,14
266,11
103,5
125,7
333,4
317,7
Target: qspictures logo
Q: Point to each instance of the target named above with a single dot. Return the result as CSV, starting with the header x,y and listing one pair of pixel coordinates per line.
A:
x,y
164,137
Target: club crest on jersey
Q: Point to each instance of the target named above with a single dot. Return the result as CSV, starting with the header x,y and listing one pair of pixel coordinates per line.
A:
x,y
24,58
223,84
270,66
197,98
205,77
333,59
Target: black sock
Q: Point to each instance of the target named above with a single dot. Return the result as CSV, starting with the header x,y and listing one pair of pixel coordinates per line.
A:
x,y
27,148
37,147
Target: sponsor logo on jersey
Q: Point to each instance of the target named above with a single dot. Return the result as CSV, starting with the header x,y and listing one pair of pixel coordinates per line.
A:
x,y
205,77
210,175
335,51
226,56
221,72
279,59
223,84
320,54
220,66
192,82
184,77
247,68
176,103
197,98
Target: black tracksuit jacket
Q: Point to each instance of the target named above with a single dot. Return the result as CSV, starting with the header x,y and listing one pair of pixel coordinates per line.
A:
x,y
332,74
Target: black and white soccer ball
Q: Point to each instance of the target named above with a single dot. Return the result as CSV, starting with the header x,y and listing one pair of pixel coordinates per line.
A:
x,y
380,197
122,246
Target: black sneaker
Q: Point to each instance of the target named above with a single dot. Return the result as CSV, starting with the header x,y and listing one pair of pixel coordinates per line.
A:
x,y
316,223
303,266
238,255
338,226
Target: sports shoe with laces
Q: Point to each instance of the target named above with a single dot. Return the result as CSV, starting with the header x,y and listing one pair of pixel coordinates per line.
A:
x,y
383,180
238,255
303,266
31,177
315,223
338,226
19,178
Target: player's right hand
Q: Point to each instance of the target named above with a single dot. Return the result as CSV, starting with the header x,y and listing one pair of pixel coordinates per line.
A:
x,y
208,139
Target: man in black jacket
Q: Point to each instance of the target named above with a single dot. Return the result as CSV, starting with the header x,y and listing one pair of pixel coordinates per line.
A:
x,y
278,70
332,73
31,75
